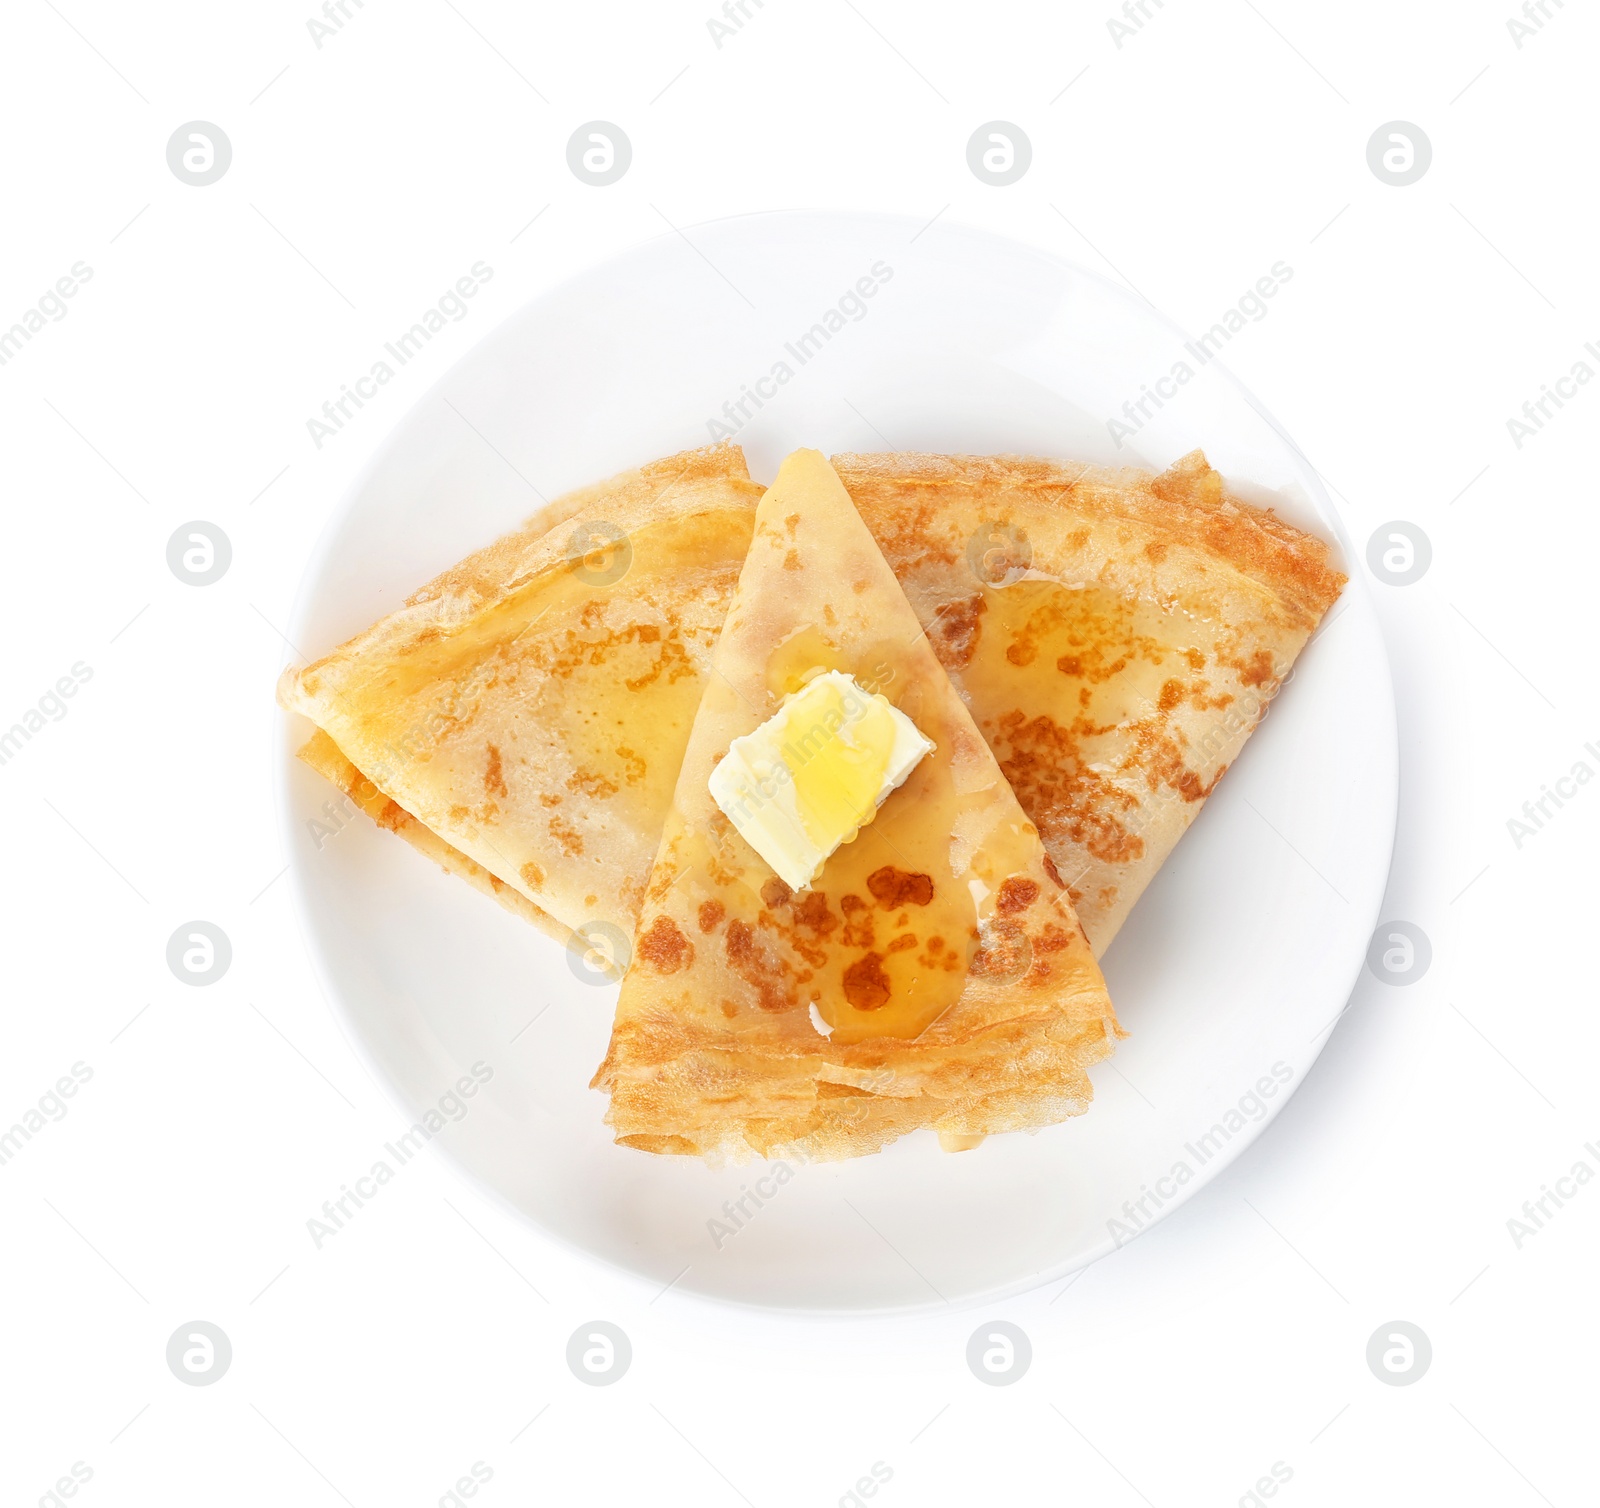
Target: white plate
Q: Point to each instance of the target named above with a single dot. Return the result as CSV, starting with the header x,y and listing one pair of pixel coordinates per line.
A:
x,y
1230,972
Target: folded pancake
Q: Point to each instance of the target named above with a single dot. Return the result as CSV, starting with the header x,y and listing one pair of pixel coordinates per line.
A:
x,y
526,712
932,973
1116,635
322,754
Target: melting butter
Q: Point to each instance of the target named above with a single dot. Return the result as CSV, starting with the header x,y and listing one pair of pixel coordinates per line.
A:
x,y
815,773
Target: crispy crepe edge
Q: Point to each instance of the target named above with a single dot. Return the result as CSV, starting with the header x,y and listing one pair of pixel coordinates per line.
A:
x,y
324,756
499,570
1187,503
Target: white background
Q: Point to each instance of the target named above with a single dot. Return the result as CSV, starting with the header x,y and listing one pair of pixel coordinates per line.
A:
x,y
367,176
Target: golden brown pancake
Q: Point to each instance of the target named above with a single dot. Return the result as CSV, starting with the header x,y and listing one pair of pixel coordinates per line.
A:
x,y
1115,678
1116,635
528,709
931,974
322,754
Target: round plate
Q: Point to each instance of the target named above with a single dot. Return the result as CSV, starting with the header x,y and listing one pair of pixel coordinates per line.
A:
x,y
1228,976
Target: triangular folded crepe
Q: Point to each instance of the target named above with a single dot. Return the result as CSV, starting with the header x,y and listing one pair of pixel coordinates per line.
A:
x,y
526,712
1116,635
932,974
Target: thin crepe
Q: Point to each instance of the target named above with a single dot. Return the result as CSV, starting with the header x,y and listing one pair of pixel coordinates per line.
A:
x,y
528,708
1118,636
933,973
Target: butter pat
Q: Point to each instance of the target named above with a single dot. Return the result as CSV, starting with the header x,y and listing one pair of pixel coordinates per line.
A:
x,y
815,773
